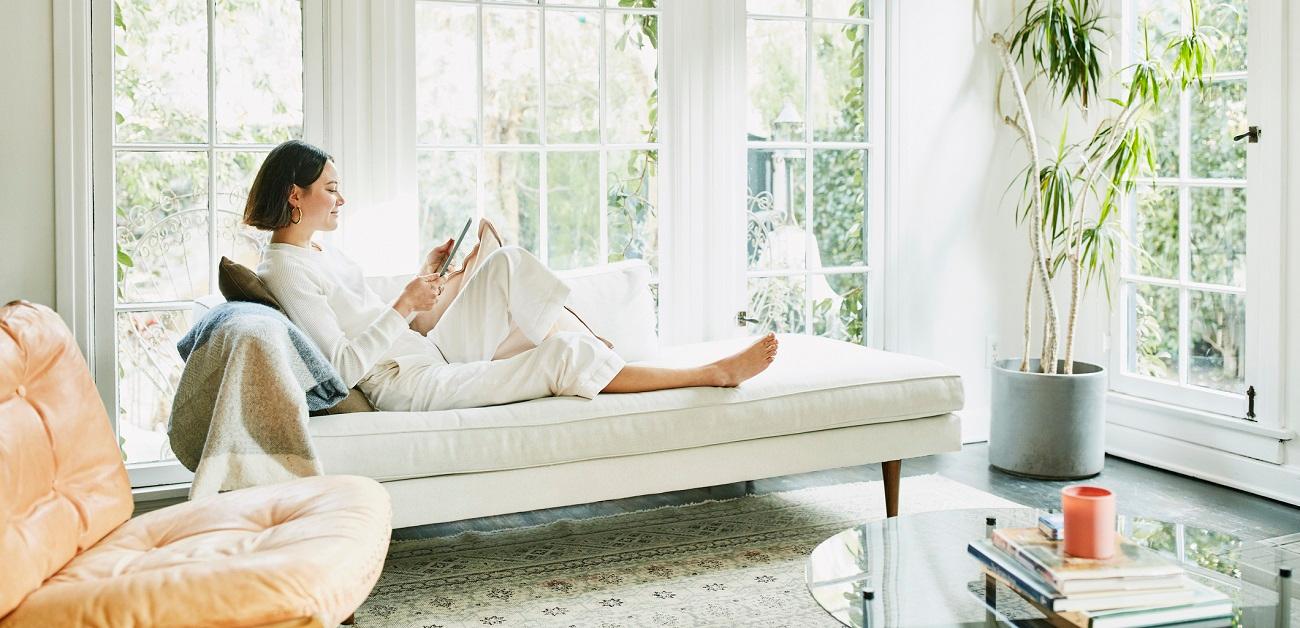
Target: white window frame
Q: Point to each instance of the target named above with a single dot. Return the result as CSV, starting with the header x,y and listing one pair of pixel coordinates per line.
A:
x,y
875,87
544,147
703,168
1264,197
84,172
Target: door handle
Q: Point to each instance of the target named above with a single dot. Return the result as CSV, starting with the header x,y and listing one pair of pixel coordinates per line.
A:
x,y
1252,133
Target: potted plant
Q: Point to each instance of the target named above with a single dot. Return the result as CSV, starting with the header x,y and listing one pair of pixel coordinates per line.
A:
x,y
1048,416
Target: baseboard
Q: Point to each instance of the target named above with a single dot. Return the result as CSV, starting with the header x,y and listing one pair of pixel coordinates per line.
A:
x,y
1279,482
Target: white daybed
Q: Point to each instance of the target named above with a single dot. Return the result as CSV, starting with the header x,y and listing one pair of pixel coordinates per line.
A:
x,y
823,404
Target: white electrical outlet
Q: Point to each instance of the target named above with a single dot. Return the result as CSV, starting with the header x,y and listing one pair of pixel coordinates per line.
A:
x,y
990,350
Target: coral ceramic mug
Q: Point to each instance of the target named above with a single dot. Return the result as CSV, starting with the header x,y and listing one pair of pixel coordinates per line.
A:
x,y
1089,521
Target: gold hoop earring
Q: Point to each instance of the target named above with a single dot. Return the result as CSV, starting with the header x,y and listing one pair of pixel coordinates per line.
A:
x,y
291,218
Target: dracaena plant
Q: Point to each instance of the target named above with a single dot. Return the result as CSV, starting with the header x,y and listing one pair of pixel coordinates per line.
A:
x,y
1070,197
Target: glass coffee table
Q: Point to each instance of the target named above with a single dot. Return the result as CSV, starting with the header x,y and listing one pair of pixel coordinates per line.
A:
x,y
919,573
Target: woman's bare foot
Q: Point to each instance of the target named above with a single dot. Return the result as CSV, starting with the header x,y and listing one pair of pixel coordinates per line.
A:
x,y
734,369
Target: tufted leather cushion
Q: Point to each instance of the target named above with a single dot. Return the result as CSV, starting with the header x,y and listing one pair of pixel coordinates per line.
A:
x,y
309,548
301,553
62,483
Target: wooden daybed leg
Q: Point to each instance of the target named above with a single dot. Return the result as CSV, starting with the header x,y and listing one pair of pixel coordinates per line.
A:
x,y
890,469
351,620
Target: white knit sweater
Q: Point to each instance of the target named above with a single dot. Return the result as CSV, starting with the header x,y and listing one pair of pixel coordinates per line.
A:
x,y
325,294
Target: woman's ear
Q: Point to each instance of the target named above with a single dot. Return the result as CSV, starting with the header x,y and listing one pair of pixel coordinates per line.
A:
x,y
295,195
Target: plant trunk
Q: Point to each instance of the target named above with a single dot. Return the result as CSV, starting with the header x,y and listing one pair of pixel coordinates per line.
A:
x,y
1029,311
1037,241
1119,130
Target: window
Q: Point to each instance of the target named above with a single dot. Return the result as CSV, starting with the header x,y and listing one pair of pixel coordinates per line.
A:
x,y
544,119
200,91
809,166
1189,333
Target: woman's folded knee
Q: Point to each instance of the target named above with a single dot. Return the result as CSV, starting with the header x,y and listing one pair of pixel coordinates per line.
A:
x,y
575,359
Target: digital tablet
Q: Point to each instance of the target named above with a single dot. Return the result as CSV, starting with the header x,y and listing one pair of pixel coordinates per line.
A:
x,y
455,247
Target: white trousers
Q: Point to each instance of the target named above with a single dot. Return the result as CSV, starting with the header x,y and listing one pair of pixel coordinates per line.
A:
x,y
510,291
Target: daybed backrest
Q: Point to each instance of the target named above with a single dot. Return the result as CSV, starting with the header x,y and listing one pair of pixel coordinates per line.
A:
x,y
615,300
62,483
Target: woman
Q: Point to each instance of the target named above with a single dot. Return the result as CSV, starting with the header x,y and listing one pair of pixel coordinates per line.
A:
x,y
502,336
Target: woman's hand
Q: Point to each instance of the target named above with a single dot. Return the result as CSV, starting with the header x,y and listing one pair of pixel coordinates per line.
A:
x,y
433,261
419,295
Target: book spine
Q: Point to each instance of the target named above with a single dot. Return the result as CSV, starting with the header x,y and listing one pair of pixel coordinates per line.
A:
x,y
1024,588
1049,531
1024,559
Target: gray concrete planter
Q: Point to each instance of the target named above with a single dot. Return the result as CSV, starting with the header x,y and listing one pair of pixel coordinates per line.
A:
x,y
1048,426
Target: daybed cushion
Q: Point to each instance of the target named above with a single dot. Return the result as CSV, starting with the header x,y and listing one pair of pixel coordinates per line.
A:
x,y
814,384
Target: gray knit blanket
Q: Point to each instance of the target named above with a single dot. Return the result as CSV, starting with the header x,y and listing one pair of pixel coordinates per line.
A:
x,y
240,413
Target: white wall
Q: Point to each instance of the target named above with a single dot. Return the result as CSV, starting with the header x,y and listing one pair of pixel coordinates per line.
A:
x,y
961,261
27,152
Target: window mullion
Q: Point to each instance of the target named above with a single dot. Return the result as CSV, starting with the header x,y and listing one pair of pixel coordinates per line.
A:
x,y
212,139
480,153
543,187
1184,236
602,190
810,240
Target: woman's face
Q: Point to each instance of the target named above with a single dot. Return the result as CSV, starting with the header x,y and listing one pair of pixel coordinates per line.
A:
x,y
320,202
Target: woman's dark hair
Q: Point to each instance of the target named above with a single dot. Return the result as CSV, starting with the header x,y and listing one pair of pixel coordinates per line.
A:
x,y
294,162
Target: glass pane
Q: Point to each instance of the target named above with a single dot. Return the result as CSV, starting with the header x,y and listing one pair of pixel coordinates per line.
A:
x,y
1219,113
235,172
775,212
839,8
839,306
511,181
1218,354
839,208
1155,231
511,75
839,82
160,71
1218,236
572,77
446,73
573,209
148,368
777,7
1163,21
631,4
777,303
259,72
632,84
633,202
161,225
573,3
1228,17
448,194
1164,134
1153,331
777,80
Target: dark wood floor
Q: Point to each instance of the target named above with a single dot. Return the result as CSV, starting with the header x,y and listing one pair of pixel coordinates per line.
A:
x,y
1140,490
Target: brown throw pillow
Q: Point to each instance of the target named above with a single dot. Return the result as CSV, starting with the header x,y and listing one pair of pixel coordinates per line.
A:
x,y
355,402
238,283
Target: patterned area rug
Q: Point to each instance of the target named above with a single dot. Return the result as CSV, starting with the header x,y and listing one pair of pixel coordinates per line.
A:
x,y
716,563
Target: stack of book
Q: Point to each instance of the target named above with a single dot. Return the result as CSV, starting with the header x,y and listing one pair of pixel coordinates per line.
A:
x,y
1135,587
